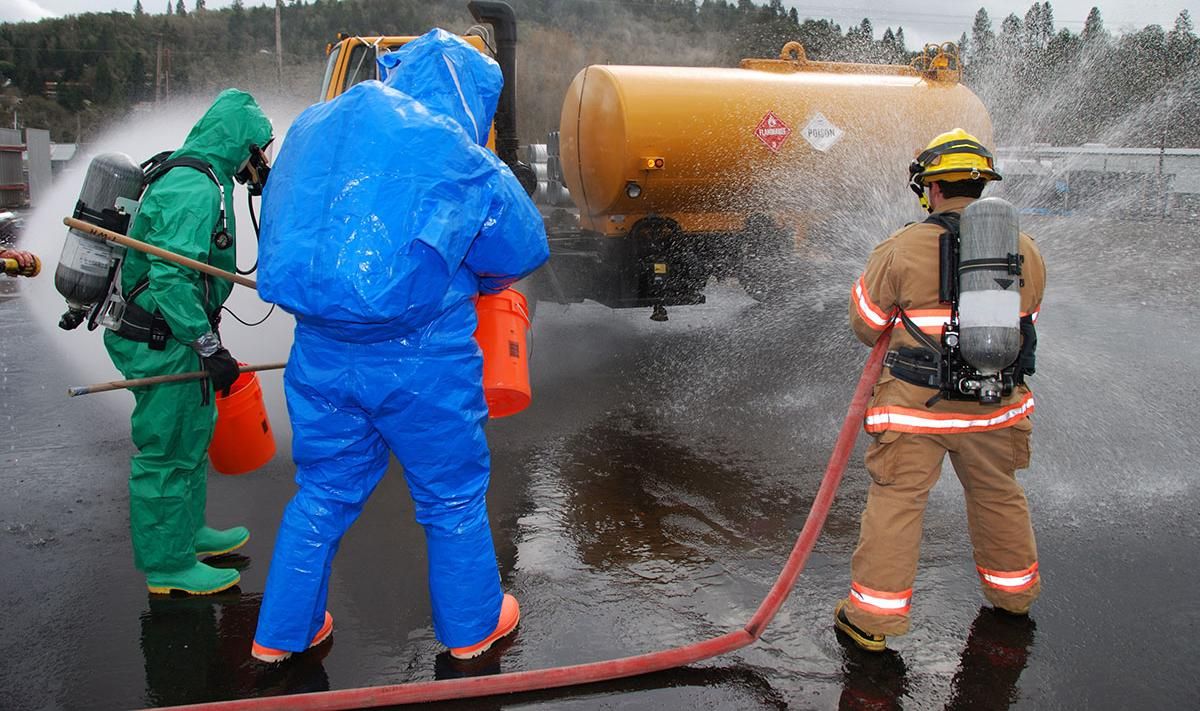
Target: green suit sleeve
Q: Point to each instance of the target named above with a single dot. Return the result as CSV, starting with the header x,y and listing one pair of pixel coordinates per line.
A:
x,y
181,221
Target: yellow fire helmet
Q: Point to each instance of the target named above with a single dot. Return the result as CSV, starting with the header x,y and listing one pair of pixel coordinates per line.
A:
x,y
954,155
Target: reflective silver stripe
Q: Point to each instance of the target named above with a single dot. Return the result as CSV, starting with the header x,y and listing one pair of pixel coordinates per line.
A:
x,y
896,418
461,96
930,323
1004,582
881,602
866,308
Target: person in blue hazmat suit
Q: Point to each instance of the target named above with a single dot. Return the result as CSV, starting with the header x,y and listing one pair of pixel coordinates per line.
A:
x,y
384,219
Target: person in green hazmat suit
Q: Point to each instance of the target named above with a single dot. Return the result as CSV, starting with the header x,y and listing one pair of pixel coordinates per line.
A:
x,y
170,326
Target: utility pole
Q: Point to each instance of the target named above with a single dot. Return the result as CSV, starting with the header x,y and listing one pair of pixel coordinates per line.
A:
x,y
278,44
1162,141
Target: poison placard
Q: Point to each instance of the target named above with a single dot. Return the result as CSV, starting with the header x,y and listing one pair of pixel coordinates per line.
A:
x,y
821,133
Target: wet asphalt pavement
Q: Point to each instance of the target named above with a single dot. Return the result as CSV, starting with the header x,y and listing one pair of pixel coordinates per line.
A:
x,y
648,499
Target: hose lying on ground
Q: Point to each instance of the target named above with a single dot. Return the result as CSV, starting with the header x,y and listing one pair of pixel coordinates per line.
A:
x,y
537,679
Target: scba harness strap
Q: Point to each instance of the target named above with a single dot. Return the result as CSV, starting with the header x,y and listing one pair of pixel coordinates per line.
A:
x,y
160,164
143,326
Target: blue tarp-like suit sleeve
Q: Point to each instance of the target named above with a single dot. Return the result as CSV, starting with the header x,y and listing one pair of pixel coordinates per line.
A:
x,y
380,197
506,248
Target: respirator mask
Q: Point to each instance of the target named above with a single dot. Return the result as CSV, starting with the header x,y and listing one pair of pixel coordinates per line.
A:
x,y
255,169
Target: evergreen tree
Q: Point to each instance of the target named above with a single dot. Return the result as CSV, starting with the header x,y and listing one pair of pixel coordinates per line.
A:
x,y
1038,82
1183,24
169,7
237,26
104,86
983,39
1039,26
1181,46
822,39
1010,33
1093,26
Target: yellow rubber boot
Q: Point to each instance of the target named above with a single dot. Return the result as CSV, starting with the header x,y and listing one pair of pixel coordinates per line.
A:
x,y
862,638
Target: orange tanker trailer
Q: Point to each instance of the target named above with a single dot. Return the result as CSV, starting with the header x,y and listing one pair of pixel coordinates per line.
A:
x,y
660,178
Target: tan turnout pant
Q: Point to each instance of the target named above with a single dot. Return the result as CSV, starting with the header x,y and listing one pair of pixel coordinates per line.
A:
x,y
903,468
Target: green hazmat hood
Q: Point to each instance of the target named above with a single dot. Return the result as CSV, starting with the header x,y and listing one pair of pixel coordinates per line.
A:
x,y
224,133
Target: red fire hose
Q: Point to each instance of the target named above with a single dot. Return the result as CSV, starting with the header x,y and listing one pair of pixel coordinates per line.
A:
x,y
426,691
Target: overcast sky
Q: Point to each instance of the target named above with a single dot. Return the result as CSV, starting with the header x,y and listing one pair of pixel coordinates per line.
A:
x,y
925,21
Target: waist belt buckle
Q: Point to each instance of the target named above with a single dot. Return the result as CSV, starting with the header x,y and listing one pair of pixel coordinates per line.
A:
x,y
159,332
889,359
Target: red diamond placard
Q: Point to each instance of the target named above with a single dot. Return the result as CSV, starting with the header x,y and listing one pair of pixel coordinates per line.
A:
x,y
772,131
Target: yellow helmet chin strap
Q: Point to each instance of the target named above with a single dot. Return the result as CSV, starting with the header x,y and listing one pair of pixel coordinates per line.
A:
x,y
914,169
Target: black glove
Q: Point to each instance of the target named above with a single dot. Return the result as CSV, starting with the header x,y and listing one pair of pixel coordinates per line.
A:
x,y
222,370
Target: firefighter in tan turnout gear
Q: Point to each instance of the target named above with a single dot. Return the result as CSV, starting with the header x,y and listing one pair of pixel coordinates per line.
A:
x,y
916,418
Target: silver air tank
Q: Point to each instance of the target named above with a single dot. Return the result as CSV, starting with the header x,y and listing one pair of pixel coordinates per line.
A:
x,y
989,293
86,262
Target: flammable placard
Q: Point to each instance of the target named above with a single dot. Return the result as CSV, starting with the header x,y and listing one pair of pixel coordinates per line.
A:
x,y
772,131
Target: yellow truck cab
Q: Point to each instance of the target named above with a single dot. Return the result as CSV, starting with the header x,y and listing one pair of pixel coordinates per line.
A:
x,y
352,59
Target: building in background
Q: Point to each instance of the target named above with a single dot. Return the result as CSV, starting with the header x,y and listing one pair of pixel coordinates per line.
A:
x,y
1096,179
29,162
13,187
61,156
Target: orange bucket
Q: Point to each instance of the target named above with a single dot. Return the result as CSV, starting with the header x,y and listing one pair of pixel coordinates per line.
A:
x,y
242,440
503,337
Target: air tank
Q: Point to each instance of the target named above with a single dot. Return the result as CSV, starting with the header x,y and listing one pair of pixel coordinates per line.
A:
x,y
989,293
85,265
708,147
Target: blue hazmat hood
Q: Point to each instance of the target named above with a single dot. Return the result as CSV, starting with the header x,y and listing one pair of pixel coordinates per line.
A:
x,y
449,77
